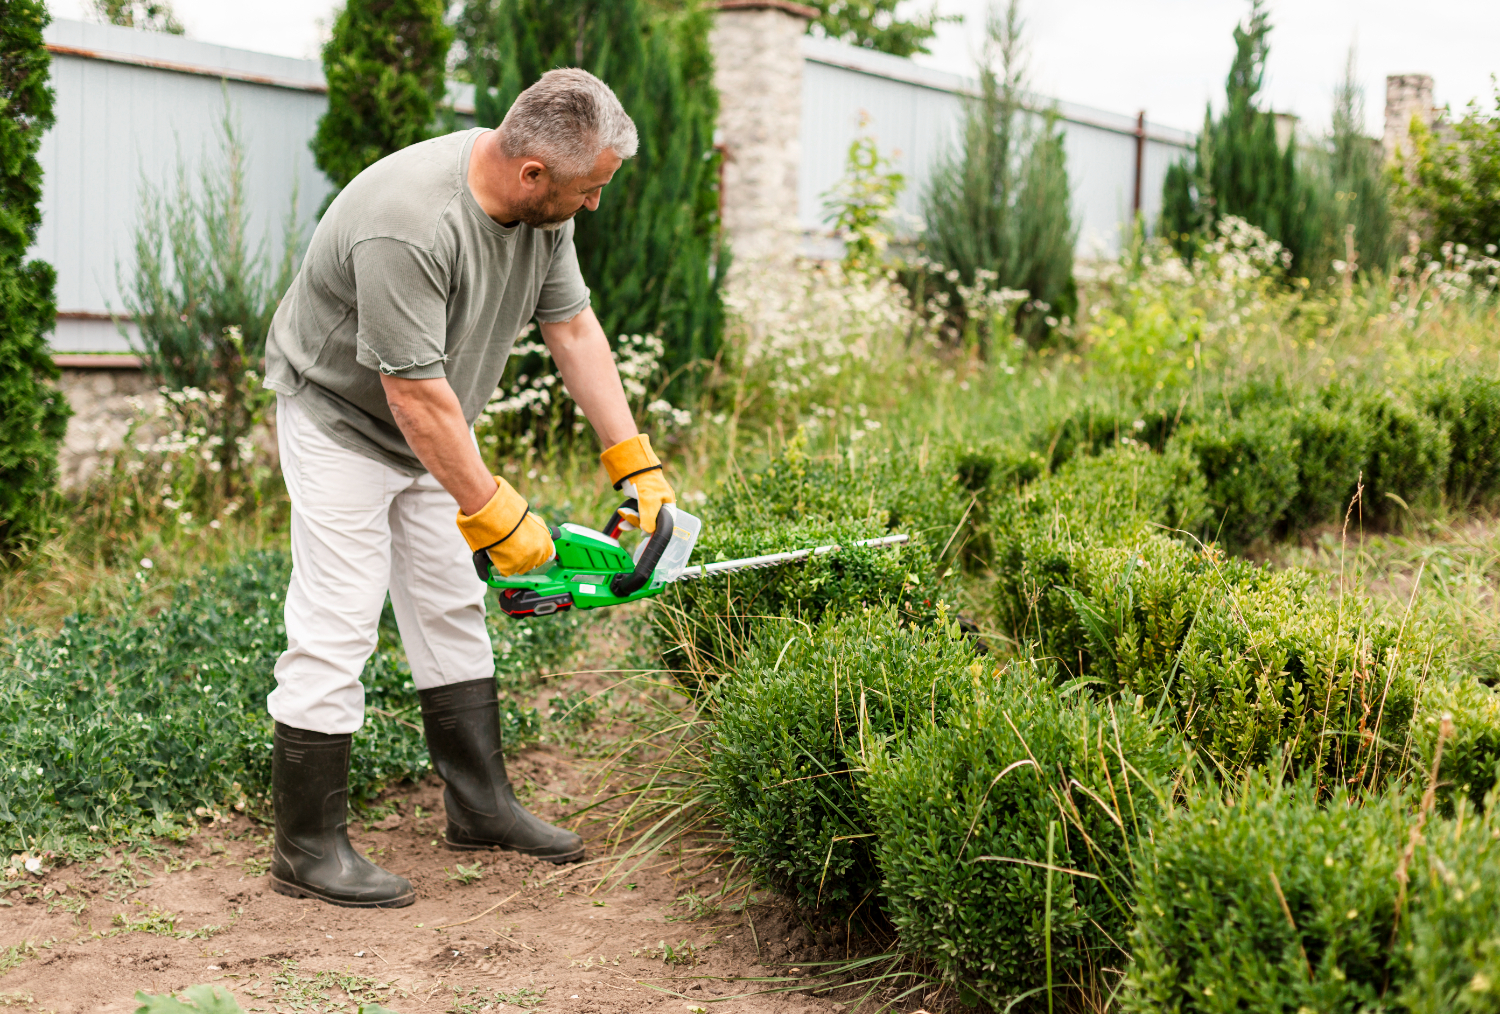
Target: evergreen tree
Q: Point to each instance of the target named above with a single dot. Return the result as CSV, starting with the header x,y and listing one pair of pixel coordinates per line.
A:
x,y
33,413
650,253
1002,204
385,64
1239,168
874,24
1358,201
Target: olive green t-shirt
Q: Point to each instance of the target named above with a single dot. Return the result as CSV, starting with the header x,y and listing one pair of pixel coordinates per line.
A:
x,y
407,276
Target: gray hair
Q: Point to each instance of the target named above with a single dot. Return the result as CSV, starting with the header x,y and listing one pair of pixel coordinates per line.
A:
x,y
565,121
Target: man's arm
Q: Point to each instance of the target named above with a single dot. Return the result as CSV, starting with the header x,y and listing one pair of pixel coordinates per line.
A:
x,y
428,413
582,354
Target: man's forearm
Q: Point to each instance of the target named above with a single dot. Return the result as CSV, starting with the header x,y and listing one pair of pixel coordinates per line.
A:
x,y
582,354
431,419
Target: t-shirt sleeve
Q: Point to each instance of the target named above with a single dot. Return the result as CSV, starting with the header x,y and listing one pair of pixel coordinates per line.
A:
x,y
402,295
564,295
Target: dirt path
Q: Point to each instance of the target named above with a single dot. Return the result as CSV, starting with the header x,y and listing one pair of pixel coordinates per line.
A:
x,y
523,934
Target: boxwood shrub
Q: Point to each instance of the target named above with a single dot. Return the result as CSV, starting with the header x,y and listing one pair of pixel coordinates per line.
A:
x,y
1409,453
1331,447
792,730
1244,658
706,625
1268,899
1250,466
962,817
1469,407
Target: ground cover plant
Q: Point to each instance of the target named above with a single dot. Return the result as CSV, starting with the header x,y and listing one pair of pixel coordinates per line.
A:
x,y
139,723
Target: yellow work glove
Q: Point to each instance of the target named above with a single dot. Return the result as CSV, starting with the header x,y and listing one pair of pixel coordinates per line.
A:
x,y
634,468
517,539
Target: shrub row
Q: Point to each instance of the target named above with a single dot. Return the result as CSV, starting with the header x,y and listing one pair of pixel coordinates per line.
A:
x,y
863,765
1277,461
1277,899
120,725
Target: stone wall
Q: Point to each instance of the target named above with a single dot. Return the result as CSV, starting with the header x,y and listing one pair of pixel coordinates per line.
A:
x,y
104,404
758,72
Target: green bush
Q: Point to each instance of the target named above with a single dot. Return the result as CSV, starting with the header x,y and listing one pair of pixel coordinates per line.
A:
x,y
384,61
1471,750
33,413
1332,447
1409,453
1452,947
1270,900
792,732
120,725
1469,406
1250,466
1244,658
964,817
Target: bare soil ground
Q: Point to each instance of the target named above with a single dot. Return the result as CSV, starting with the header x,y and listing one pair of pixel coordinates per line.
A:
x,y
87,937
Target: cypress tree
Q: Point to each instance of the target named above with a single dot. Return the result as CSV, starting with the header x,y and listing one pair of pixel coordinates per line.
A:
x,y
650,253
1239,168
384,64
1001,204
33,413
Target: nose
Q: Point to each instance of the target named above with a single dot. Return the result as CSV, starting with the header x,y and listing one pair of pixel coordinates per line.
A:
x,y
591,202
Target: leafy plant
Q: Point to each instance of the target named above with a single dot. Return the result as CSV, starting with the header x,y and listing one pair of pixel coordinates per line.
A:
x,y
147,15
1449,184
1009,837
384,62
465,875
33,414
195,1000
1250,465
793,732
861,205
878,25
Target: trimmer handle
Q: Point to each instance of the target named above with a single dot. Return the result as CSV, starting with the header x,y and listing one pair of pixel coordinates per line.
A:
x,y
627,584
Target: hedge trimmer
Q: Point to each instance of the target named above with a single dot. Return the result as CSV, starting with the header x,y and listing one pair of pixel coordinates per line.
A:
x,y
591,569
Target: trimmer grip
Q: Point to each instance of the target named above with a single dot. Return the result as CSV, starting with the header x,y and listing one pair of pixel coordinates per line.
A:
x,y
622,585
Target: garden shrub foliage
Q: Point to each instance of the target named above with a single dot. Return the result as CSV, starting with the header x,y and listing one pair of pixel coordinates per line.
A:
x,y
1230,877
793,736
33,413
963,813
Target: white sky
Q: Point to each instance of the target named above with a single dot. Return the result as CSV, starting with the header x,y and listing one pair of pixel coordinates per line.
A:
x,y
1168,57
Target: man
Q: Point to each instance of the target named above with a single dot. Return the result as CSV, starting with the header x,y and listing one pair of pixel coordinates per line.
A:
x,y
390,341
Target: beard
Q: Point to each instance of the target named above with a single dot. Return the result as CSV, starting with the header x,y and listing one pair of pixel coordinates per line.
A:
x,y
545,214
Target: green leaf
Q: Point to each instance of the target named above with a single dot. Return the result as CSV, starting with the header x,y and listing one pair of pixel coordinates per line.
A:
x,y
201,1000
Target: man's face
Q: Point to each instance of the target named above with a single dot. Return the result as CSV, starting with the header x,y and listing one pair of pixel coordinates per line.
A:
x,y
561,201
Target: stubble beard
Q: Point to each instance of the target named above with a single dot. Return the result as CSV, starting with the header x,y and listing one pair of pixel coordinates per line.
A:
x,y
544,214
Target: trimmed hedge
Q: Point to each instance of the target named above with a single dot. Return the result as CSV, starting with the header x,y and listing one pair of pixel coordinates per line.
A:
x,y
1244,658
1273,900
1250,464
792,731
1469,406
962,816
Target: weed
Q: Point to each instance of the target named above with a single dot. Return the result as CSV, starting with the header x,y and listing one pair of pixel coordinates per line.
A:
x,y
473,1001
465,874
158,922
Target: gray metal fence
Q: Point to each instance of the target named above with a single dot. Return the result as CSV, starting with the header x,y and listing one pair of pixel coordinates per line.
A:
x,y
132,104
916,114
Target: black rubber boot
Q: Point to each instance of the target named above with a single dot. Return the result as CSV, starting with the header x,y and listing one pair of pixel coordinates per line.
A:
x,y
462,721
313,857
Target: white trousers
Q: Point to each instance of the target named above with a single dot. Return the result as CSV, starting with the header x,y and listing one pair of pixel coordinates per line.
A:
x,y
360,528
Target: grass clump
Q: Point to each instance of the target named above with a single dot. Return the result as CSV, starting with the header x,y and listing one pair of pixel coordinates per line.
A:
x,y
794,727
1008,836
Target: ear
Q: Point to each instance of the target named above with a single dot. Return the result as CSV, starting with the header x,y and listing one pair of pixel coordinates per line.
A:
x,y
532,174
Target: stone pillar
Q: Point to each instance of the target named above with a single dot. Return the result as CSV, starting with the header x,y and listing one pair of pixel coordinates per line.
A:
x,y
1406,96
757,47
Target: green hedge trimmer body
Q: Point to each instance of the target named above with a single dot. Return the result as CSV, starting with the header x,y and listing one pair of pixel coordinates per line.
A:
x,y
592,569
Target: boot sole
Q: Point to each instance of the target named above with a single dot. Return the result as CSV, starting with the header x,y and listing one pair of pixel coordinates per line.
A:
x,y
453,846
292,890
